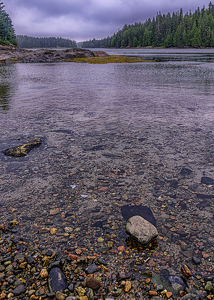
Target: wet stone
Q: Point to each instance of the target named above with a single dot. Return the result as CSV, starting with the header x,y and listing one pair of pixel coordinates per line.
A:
x,y
92,269
71,287
186,171
89,293
117,292
141,230
207,180
92,283
208,286
196,260
23,150
18,290
57,280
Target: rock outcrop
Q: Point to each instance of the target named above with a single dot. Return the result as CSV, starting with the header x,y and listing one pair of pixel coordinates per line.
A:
x,y
11,53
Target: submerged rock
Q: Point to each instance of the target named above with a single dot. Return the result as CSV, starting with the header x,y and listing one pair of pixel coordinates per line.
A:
x,y
186,171
23,150
171,283
207,180
141,230
57,280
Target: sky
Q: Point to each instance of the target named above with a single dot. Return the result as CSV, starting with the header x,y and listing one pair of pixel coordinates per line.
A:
x,y
82,20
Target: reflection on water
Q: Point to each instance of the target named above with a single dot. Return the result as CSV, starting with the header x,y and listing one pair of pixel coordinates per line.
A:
x,y
6,86
4,97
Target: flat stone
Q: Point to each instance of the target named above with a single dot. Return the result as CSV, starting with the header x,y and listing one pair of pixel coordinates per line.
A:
x,y
57,280
141,230
207,180
186,171
54,211
92,269
196,260
18,290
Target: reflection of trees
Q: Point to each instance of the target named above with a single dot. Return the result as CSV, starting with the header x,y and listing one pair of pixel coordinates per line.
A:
x,y
4,97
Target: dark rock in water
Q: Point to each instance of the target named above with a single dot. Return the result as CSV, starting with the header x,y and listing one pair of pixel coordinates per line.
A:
x,y
193,187
145,212
204,196
196,260
186,171
92,269
18,290
183,205
171,283
57,280
207,180
23,150
204,203
174,184
98,224
173,279
30,260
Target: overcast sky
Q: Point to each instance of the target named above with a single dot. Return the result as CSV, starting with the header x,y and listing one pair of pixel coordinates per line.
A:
x,y
86,19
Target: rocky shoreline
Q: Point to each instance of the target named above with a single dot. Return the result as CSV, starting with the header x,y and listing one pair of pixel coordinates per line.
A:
x,y
80,232
13,54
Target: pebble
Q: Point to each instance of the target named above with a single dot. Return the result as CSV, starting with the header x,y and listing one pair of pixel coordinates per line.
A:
x,y
128,286
92,269
92,283
208,286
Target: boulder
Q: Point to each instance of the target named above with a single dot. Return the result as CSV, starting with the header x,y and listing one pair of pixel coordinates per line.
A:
x,y
141,230
23,150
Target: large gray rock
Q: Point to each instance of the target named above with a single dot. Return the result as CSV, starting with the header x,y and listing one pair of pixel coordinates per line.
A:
x,y
141,230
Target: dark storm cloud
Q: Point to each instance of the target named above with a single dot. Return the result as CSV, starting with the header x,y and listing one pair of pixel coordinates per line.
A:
x,y
85,19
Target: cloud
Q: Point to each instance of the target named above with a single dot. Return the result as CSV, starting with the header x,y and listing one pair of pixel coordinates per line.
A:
x,y
85,19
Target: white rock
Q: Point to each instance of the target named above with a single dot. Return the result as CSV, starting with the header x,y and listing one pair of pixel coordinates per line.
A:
x,y
140,229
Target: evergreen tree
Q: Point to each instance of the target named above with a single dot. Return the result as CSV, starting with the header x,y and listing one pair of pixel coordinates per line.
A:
x,y
179,30
7,33
25,41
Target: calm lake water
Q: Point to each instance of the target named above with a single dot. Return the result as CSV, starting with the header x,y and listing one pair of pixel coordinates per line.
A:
x,y
168,89
127,128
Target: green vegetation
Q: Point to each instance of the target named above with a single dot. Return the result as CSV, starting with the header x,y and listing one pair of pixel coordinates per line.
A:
x,y
25,41
176,30
7,33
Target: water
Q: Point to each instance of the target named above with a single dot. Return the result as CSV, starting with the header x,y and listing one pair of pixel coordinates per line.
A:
x,y
127,127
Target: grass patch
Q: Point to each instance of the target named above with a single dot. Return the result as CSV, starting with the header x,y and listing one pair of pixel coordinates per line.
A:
x,y
110,59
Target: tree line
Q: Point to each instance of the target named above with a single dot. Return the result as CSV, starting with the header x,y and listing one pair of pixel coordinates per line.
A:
x,y
7,32
168,30
25,41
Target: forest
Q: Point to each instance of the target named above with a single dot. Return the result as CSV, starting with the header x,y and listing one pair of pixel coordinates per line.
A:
x,y
25,41
167,30
7,33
